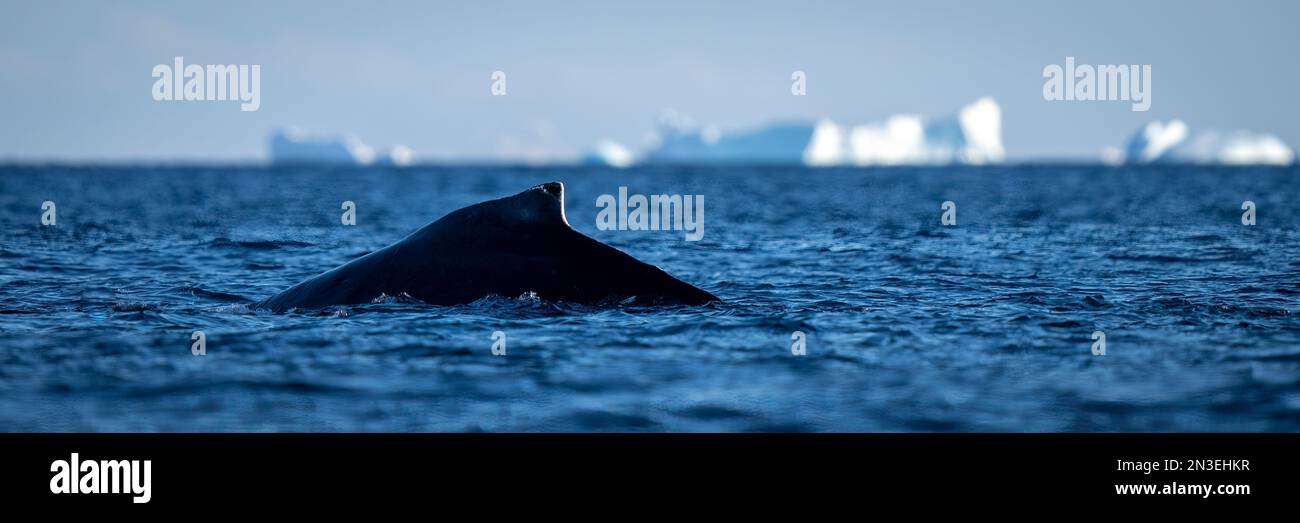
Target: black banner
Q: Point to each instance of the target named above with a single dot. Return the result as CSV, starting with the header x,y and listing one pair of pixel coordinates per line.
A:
x,y
189,470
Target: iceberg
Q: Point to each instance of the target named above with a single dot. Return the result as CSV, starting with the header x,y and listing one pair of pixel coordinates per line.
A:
x,y
398,156
609,153
1172,142
1234,148
973,136
681,140
292,146
1154,141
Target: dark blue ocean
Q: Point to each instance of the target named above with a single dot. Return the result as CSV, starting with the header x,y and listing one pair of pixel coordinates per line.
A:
x,y
910,325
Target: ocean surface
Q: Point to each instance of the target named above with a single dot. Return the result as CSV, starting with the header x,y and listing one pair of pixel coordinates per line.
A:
x,y
910,325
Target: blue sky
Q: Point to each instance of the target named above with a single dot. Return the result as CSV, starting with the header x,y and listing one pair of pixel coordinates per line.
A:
x,y
76,75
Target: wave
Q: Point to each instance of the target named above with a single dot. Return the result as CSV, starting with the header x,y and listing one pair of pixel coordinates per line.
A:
x,y
200,292
260,245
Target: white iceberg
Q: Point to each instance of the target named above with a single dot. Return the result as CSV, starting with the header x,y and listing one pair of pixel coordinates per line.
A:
x,y
1154,141
680,140
610,153
1234,148
399,156
981,126
973,136
1172,142
291,145
1111,155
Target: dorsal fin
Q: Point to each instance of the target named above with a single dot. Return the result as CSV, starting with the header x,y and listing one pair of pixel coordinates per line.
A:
x,y
544,202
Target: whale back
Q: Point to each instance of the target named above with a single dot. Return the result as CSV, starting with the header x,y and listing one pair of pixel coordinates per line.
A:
x,y
508,247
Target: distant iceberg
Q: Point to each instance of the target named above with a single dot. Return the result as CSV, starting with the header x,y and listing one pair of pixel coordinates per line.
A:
x,y
680,140
293,146
1173,142
398,156
611,154
1237,148
973,136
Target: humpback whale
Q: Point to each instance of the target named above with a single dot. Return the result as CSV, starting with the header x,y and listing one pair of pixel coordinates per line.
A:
x,y
509,247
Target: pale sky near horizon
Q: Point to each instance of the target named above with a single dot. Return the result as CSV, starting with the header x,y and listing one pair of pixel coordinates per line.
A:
x,y
76,74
